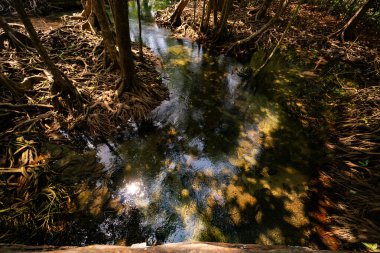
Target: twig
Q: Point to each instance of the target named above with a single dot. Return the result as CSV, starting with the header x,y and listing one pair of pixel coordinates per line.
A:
x,y
26,122
26,106
257,71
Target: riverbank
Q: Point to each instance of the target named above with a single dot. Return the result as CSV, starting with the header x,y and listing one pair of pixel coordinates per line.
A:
x,y
338,101
40,145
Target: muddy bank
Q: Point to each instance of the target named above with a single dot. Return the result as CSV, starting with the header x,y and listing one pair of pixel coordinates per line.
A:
x,y
43,160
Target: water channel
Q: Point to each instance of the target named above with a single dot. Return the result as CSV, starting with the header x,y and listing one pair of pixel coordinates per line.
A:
x,y
217,162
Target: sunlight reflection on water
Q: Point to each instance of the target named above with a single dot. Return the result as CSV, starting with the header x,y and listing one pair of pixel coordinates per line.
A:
x,y
221,164
133,193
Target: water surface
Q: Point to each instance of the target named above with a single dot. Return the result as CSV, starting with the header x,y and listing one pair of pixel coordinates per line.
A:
x,y
217,162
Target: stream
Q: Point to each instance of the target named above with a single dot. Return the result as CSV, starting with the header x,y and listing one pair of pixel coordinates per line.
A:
x,y
216,162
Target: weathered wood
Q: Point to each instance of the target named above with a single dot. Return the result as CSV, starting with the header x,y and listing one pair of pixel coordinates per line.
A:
x,y
186,247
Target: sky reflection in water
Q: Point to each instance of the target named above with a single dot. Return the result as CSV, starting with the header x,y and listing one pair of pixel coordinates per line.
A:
x,y
221,165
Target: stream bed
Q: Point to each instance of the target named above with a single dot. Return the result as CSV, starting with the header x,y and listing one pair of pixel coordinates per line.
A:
x,y
216,163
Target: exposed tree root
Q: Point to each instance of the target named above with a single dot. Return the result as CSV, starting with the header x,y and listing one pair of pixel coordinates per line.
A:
x,y
76,56
349,189
28,199
308,36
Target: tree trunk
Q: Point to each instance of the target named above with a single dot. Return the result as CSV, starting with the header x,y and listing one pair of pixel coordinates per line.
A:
x,y
141,55
195,11
61,84
215,7
263,9
127,67
223,19
110,54
175,18
348,30
210,7
87,8
16,39
203,16
89,15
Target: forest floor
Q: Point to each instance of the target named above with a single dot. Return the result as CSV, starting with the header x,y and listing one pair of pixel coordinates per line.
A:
x,y
339,95
31,198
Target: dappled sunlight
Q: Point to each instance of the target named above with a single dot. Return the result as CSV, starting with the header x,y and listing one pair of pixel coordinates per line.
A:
x,y
191,225
243,199
221,164
93,201
253,137
271,237
179,55
186,188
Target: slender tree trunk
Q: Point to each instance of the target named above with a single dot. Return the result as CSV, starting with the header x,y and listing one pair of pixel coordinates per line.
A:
x,y
17,39
263,9
61,84
195,11
111,56
348,30
127,66
89,15
175,18
141,55
208,14
223,19
87,8
203,16
215,7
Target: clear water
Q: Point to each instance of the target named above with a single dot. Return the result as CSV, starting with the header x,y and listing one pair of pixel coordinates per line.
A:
x,y
217,163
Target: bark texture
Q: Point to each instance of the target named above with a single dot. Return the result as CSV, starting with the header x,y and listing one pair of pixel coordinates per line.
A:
x,y
227,6
127,67
111,56
141,55
175,18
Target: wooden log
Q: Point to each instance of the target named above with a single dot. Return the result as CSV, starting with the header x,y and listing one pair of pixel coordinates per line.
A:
x,y
185,247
